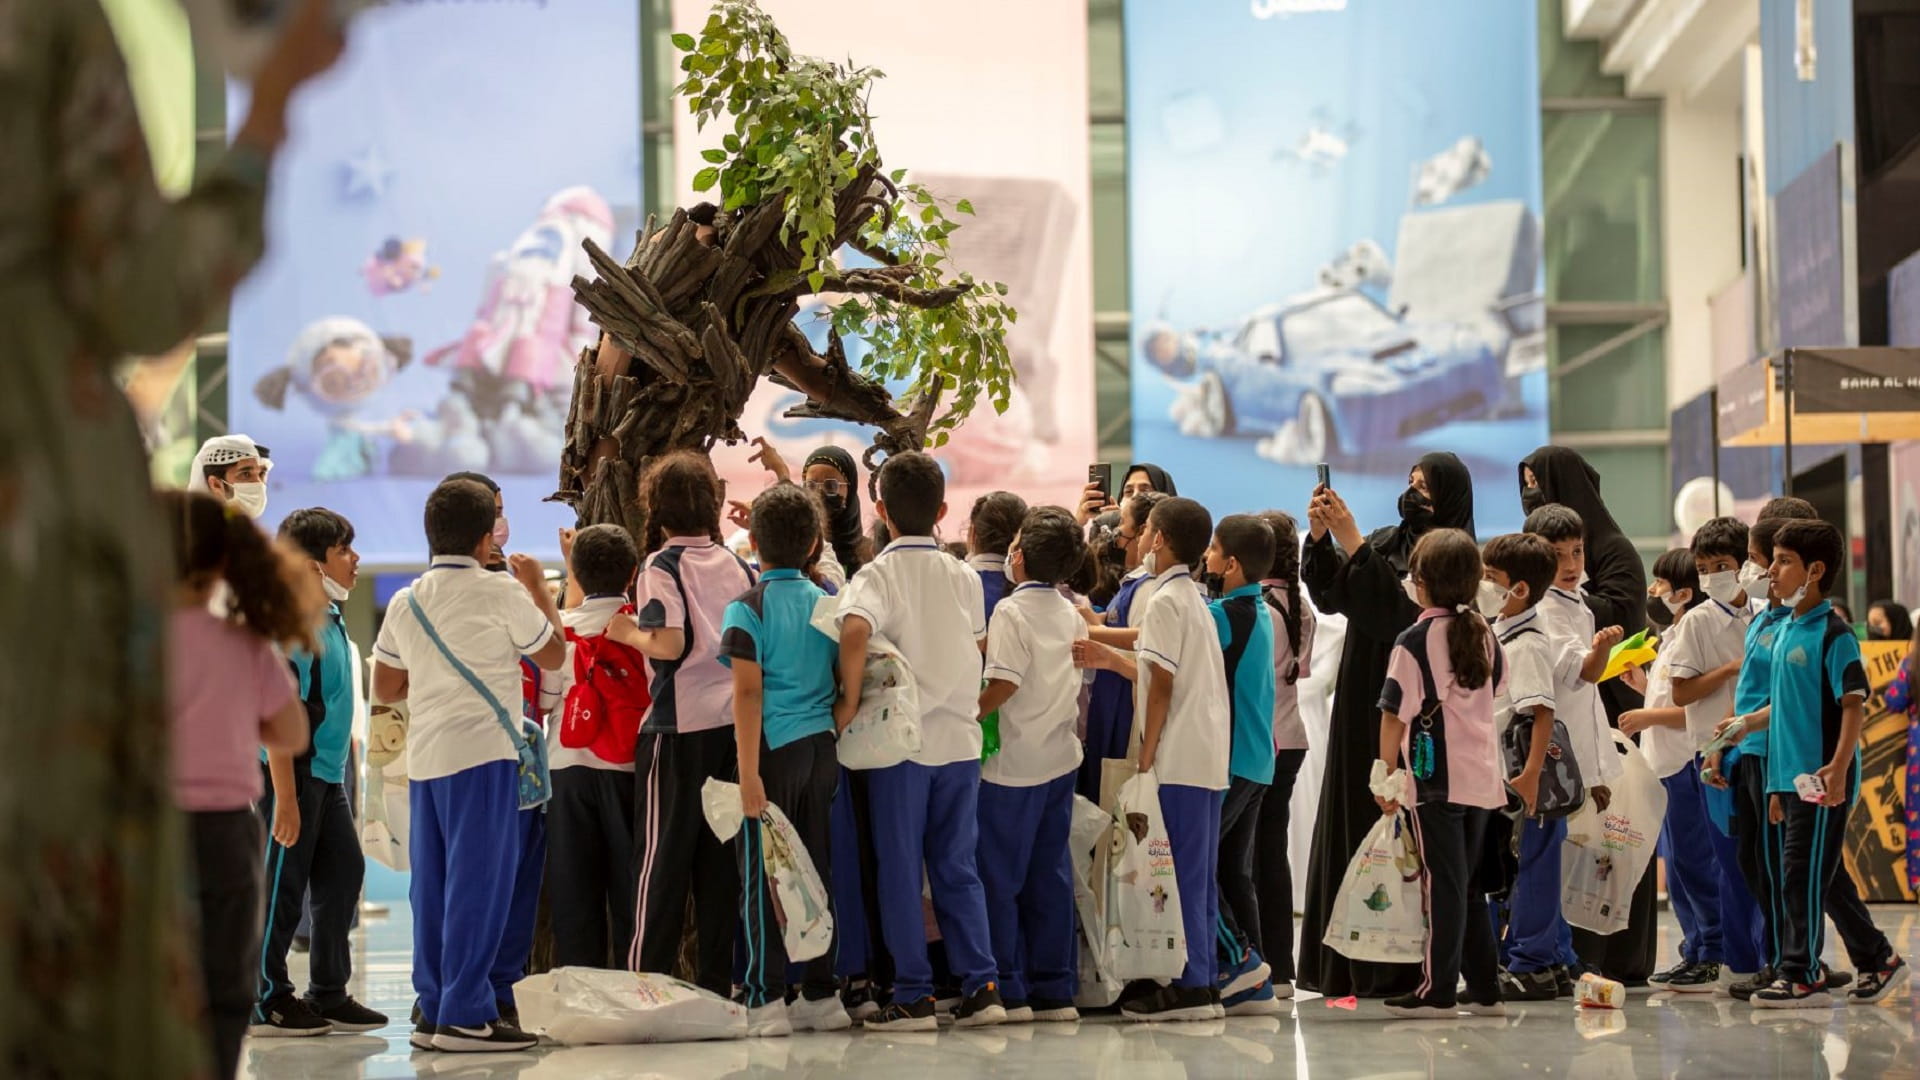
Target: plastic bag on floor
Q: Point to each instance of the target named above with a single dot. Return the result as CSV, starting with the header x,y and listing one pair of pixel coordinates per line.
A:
x,y
585,1006
1091,826
1599,874
886,729
800,902
1380,914
1145,938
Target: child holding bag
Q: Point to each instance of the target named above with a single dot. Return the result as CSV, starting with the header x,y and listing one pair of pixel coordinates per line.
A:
x,y
1436,722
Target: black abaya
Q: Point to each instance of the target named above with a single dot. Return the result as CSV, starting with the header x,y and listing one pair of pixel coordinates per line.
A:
x,y
1367,590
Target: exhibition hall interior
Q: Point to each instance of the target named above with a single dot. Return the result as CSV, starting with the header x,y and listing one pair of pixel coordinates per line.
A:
x,y
566,539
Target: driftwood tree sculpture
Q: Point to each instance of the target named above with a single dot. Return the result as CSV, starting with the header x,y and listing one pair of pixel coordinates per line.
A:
x,y
704,308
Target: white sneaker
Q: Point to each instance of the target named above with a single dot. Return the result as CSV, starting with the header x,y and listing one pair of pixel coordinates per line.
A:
x,y
1282,991
826,1014
769,1021
1019,1014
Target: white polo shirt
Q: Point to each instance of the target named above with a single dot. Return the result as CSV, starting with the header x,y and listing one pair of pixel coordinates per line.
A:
x,y
1569,626
1179,637
1712,635
587,620
931,607
1530,682
1030,644
1666,749
489,622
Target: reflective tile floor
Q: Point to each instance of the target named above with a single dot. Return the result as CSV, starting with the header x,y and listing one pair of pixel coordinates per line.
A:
x,y
1657,1035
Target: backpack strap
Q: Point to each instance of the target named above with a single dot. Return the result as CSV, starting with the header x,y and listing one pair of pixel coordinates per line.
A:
x,y
1427,684
500,712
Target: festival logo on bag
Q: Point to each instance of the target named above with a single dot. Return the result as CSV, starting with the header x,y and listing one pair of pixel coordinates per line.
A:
x,y
1379,900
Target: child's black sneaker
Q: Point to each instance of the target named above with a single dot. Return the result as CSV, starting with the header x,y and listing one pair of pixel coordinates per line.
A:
x,y
350,1016
859,1001
1660,979
509,1015
423,1033
1562,982
1169,1003
1696,979
485,1039
1052,1011
1529,986
1835,978
1744,989
982,1008
1492,1006
1874,986
1787,994
1415,1007
907,1016
287,1017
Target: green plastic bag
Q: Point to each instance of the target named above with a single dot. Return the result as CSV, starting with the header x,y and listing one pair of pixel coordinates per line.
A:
x,y
989,736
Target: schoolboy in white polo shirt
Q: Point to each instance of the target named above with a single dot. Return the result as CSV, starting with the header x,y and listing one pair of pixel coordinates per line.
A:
x,y
1186,725
462,768
925,810
1026,790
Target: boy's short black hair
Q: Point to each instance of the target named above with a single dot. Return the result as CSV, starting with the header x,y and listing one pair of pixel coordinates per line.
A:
x,y
316,531
1723,536
604,559
1051,544
785,527
482,479
1556,523
1524,557
459,515
1247,540
1787,506
914,489
1760,537
997,515
1814,541
1187,527
1677,569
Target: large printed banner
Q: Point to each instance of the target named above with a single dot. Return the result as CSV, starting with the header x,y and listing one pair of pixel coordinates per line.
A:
x,y
1877,828
413,315
1335,246
987,102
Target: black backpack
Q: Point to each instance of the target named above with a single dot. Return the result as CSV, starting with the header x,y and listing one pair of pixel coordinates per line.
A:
x,y
1561,789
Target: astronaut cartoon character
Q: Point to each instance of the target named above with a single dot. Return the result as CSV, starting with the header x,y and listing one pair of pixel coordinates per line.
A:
x,y
337,364
513,368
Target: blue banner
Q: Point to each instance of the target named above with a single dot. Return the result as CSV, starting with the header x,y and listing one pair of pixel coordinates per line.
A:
x,y
1335,247
414,316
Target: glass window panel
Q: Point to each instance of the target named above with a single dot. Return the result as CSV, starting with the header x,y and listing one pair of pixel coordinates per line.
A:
x,y
1624,389
1602,180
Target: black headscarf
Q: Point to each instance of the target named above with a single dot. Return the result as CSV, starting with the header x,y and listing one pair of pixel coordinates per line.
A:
x,y
1616,576
1450,490
1899,622
845,527
1162,480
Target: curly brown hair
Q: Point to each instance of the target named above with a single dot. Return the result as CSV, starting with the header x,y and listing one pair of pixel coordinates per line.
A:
x,y
276,593
680,496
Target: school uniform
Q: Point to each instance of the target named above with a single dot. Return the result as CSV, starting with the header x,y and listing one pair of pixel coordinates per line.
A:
x,y
590,818
994,585
1703,878
1816,668
925,810
1024,852
1453,803
685,740
1110,697
771,625
326,858
1244,626
1568,624
1179,637
1538,936
1744,804
463,779
1273,868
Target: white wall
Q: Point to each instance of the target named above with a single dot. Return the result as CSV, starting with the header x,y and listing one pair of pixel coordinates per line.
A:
x,y
1699,155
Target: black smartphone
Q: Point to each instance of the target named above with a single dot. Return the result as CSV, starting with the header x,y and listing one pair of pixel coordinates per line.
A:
x,y
1326,475
1101,473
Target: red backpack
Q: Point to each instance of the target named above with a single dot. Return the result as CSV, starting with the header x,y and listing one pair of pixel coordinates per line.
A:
x,y
609,697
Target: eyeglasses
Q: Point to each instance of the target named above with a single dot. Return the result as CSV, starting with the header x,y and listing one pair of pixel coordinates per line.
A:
x,y
827,487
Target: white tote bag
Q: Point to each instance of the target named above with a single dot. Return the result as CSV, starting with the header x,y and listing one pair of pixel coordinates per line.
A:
x,y
800,901
1145,938
1380,915
1599,874
385,813
1089,838
886,729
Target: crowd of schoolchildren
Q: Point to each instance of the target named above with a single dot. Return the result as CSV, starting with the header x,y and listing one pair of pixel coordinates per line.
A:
x,y
1139,631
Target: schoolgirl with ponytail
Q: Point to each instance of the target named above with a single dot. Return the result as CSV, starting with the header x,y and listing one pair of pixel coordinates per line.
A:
x,y
229,694
1436,723
1292,652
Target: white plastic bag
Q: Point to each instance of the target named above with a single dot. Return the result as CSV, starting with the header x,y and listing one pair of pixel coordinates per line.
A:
x,y
1380,913
1088,837
1598,875
886,729
800,902
585,1006
385,814
1145,938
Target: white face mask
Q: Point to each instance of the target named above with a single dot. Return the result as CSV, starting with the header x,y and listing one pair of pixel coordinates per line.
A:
x,y
336,592
1147,562
1674,603
1492,599
250,498
1752,573
1413,591
1722,585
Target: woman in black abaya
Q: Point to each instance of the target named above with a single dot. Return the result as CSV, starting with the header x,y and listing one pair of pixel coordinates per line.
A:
x,y
1362,579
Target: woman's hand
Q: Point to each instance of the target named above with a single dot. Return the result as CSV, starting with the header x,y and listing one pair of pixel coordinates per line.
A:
x,y
1093,502
1338,519
769,458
